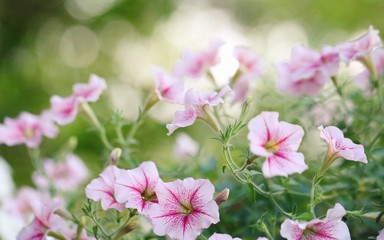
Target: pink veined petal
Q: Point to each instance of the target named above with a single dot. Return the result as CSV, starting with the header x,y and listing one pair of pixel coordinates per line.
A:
x,y
292,230
284,164
182,119
216,99
289,135
221,236
91,91
262,128
336,213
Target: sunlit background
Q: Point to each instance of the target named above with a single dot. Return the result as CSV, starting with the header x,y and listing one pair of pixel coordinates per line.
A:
x,y
47,46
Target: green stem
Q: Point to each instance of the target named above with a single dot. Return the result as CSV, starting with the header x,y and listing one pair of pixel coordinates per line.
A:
x,y
312,203
56,235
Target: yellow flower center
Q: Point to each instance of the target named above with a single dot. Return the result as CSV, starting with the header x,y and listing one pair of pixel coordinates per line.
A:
x,y
148,195
272,146
186,208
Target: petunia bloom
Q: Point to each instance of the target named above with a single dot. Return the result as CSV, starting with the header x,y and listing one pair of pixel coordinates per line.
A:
x,y
195,107
185,207
332,227
27,129
185,146
103,188
136,188
45,221
361,47
194,64
251,67
221,236
304,74
340,147
91,91
168,88
66,175
278,142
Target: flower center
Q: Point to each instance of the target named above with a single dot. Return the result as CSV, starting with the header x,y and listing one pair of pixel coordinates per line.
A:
x,y
308,233
186,208
149,196
272,146
28,133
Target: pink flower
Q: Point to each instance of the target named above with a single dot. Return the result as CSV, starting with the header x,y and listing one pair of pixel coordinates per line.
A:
x,y
136,188
185,146
332,227
330,60
185,207
91,91
361,47
194,64
103,189
250,68
341,147
45,220
305,74
27,129
64,110
195,103
66,175
168,88
278,142
221,236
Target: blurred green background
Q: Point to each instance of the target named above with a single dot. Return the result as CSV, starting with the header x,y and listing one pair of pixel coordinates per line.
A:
x,y
46,46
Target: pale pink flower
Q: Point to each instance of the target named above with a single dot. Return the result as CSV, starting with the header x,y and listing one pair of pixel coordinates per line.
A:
x,y
45,220
168,88
64,110
221,236
24,203
304,74
185,146
103,189
262,238
91,91
381,235
361,47
66,175
332,227
136,188
278,142
195,103
330,60
27,129
251,67
185,208
194,64
341,147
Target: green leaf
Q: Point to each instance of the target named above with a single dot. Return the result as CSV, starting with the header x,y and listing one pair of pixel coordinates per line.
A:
x,y
304,216
95,229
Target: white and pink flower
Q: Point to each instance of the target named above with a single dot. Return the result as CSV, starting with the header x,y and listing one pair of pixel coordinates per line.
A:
x,y
278,142
185,146
168,88
91,91
332,227
103,188
195,107
222,236
136,188
66,175
27,129
185,207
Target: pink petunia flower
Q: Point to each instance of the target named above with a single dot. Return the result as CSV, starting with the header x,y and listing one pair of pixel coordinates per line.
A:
x,y
340,147
64,110
251,67
221,236
304,74
185,208
361,47
185,146
91,91
332,227
195,107
45,220
168,88
103,189
278,142
194,64
27,129
66,175
136,188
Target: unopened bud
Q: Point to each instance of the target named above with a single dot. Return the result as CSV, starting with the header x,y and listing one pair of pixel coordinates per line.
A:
x,y
115,155
222,196
245,108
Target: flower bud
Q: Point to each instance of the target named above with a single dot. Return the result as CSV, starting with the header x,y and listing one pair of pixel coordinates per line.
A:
x,y
114,156
222,196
